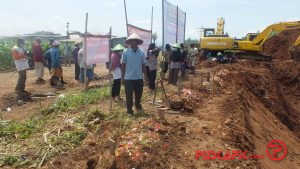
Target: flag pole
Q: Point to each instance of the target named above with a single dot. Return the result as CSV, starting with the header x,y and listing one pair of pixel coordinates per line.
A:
x,y
151,24
126,17
184,26
110,65
85,51
177,26
163,24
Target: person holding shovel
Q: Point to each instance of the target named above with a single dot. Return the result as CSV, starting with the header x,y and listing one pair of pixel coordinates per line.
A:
x,y
133,67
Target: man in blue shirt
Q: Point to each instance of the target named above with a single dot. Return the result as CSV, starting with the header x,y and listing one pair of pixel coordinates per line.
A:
x,y
133,67
55,64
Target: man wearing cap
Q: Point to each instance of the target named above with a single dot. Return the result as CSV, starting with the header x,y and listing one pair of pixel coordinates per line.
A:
x,y
133,67
56,69
21,62
116,70
38,60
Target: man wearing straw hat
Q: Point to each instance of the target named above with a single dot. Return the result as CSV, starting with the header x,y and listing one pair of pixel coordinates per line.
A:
x,y
133,67
116,70
56,69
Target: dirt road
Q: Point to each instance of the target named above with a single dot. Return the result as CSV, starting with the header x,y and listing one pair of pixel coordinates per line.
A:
x,y
20,111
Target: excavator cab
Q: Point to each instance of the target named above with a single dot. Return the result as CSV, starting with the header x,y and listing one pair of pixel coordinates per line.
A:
x,y
251,36
208,32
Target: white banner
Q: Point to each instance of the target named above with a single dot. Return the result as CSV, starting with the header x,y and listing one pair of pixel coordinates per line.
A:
x,y
144,34
181,26
97,50
170,23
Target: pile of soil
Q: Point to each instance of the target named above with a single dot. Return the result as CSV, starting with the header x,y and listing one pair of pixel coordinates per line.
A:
x,y
279,45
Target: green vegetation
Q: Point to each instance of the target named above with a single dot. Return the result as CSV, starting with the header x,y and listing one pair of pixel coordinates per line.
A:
x,y
68,140
74,101
23,130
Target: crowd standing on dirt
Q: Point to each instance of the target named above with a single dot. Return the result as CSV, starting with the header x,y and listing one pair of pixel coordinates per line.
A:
x,y
129,65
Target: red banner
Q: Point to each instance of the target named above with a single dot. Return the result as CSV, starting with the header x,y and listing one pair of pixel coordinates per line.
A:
x,y
144,34
97,50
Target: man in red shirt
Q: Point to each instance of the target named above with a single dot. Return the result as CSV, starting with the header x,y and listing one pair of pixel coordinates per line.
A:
x,y
38,60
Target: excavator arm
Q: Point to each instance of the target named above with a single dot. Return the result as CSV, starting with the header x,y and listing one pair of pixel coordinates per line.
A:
x,y
297,42
261,38
274,29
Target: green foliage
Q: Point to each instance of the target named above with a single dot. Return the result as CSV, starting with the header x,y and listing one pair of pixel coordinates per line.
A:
x,y
10,160
73,101
68,140
21,130
92,115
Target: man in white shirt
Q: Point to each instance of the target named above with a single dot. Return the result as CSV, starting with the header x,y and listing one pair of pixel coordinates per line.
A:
x,y
193,58
21,62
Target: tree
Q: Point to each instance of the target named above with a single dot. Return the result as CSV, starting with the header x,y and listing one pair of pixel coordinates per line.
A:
x,y
154,37
191,41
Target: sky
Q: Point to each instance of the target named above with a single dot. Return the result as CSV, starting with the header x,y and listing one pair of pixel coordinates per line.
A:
x,y
241,16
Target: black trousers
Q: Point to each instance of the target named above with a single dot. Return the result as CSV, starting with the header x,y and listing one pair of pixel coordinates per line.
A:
x,y
152,78
20,87
173,76
135,86
165,67
77,71
183,69
116,88
148,71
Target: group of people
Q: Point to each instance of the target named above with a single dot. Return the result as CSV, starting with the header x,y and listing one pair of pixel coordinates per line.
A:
x,y
52,56
178,61
52,59
132,66
129,66
227,57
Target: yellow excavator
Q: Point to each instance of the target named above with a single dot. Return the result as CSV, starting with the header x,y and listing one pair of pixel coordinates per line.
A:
x,y
249,47
215,41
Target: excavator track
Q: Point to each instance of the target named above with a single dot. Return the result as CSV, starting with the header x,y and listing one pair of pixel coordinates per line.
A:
x,y
253,56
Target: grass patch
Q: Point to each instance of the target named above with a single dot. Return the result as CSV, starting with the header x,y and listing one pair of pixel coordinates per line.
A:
x,y
68,140
22,130
74,101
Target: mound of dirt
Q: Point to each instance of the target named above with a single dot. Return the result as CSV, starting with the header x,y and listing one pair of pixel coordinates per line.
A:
x,y
279,45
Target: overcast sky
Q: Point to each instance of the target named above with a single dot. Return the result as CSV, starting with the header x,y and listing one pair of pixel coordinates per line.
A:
x,y
241,16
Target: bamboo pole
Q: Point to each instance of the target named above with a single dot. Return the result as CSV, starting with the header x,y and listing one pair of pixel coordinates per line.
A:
x,y
151,24
110,80
85,52
125,9
163,24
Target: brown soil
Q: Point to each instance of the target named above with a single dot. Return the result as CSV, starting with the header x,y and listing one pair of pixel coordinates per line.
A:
x,y
279,45
239,106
